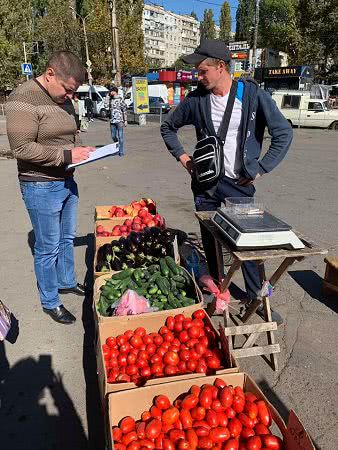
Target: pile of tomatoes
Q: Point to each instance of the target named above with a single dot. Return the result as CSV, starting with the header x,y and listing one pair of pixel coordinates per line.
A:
x,y
183,345
217,417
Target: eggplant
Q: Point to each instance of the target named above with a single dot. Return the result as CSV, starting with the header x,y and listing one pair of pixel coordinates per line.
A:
x,y
147,232
135,237
122,242
155,231
166,232
116,264
133,248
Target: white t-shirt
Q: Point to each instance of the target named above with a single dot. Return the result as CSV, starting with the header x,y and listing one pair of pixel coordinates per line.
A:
x,y
232,160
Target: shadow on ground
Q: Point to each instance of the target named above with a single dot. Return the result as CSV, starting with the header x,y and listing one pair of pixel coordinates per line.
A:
x,y
311,282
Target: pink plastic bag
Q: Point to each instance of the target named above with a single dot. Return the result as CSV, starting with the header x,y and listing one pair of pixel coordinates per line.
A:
x,y
222,298
5,321
131,303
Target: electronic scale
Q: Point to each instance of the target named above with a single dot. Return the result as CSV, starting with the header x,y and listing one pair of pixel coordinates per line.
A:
x,y
248,226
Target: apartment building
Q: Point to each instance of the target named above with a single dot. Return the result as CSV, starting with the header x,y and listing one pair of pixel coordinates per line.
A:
x,y
168,35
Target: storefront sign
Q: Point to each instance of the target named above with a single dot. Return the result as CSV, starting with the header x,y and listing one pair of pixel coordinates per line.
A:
x,y
184,75
140,95
239,55
275,72
235,46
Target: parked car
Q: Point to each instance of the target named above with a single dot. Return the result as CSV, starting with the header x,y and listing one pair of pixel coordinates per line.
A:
x,y
301,110
156,104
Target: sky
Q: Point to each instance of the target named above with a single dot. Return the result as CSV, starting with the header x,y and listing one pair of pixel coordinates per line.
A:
x,y
186,6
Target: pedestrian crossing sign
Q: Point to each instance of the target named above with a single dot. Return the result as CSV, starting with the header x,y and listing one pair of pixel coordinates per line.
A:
x,y
27,69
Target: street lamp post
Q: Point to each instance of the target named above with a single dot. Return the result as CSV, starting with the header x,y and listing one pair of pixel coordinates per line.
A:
x,y
115,50
88,62
254,47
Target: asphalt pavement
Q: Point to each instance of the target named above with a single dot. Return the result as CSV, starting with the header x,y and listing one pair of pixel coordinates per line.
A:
x,y
48,379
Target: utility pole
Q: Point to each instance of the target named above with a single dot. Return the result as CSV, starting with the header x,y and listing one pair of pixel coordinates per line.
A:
x,y
115,50
88,62
25,57
254,47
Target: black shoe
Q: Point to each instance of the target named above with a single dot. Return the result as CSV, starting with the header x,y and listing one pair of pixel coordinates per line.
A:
x,y
79,289
60,315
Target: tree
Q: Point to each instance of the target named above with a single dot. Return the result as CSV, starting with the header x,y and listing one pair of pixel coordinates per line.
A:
x,y
194,15
245,16
208,30
179,64
225,22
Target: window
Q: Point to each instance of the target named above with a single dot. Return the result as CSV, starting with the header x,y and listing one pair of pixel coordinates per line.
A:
x,y
95,97
315,106
291,101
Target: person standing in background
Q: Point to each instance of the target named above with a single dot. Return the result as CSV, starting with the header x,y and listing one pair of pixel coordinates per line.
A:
x,y
42,135
118,118
76,105
89,105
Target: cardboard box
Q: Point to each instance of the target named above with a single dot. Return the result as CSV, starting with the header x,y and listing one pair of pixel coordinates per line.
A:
x,y
152,323
133,403
108,226
102,213
102,319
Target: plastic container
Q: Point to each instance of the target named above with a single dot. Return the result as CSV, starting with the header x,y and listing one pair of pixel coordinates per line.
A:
x,y
244,205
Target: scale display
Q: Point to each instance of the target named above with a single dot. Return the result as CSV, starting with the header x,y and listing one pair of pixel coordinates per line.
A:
x,y
250,231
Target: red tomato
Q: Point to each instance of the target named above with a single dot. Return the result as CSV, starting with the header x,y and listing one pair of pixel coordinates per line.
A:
x,y
158,340
191,365
178,327
182,367
184,355
163,330
182,444
179,318
230,413
159,442
187,323
247,432
168,444
136,341
199,314
222,419
206,398
170,322
111,342
170,415
156,359
191,343
263,413
213,362
122,360
121,340
169,337
186,419
128,334
153,429
235,427
205,442
194,332
117,434
141,430
114,353
129,437
245,420
127,424
183,336
251,409
190,401
146,416
212,418
195,390
131,358
162,402
254,443
192,438
273,442
178,403
131,370
119,447
170,370
140,331
250,397
171,358
146,443
231,444
155,412
194,355
201,431
156,369
261,429
140,363
219,383
161,351
238,404
226,397
174,348
217,406
219,434
198,413
200,348
133,446
145,372
175,435
147,339
198,323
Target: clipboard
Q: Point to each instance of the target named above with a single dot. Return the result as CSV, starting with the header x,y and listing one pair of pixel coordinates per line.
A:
x,y
99,153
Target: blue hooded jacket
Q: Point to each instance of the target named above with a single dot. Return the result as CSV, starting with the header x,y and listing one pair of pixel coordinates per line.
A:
x,y
258,111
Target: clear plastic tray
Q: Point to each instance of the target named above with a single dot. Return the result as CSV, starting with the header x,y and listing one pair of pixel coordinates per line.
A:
x,y
244,205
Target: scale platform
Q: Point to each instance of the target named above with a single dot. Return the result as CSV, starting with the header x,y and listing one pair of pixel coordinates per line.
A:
x,y
255,229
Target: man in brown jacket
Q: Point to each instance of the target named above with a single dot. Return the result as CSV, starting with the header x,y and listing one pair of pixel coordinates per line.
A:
x,y
42,134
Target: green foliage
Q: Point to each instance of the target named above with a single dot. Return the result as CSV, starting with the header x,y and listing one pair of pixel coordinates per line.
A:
x,y
208,30
225,22
179,64
245,16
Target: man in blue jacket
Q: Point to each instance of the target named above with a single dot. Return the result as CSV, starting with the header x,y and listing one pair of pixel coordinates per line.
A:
x,y
253,110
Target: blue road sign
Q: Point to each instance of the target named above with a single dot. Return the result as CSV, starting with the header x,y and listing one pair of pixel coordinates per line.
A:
x,y
27,69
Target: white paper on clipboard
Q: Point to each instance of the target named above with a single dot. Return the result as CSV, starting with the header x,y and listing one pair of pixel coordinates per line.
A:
x,y
99,153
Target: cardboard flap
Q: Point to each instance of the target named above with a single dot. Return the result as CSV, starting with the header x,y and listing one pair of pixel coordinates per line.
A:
x,y
296,436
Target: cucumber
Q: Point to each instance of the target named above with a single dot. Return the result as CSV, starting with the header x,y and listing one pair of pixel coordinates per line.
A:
x,y
164,268
122,275
179,278
152,290
160,283
171,264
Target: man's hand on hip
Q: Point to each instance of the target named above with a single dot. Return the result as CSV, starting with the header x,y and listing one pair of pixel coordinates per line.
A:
x,y
187,163
81,154
242,181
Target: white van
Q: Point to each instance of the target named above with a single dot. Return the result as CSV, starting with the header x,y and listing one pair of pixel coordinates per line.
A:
x,y
98,95
154,90
301,110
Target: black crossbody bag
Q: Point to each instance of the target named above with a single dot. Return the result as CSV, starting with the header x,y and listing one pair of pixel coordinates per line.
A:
x,y
208,156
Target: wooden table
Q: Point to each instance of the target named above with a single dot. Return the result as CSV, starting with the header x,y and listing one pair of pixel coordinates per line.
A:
x,y
252,331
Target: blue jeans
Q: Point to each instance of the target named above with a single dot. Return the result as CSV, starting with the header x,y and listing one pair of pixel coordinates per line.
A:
x,y
117,134
227,187
52,208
